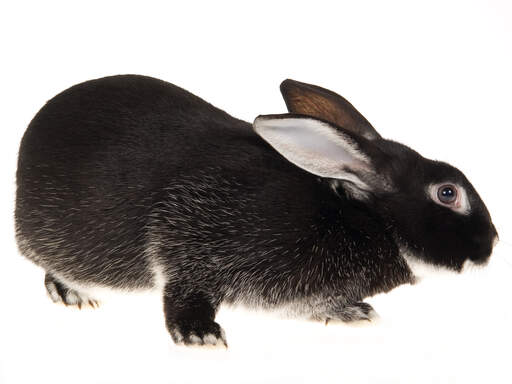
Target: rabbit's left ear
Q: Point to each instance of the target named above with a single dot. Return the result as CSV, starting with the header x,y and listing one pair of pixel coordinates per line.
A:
x,y
311,100
319,148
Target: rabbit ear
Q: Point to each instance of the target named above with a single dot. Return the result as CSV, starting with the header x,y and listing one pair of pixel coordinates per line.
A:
x,y
310,100
318,147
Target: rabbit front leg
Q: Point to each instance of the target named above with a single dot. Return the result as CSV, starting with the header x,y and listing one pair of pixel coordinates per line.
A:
x,y
190,315
342,310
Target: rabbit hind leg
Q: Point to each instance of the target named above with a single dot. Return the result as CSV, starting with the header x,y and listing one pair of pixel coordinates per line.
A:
x,y
59,292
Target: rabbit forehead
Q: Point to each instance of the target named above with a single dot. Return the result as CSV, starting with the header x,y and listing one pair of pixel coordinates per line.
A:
x,y
413,173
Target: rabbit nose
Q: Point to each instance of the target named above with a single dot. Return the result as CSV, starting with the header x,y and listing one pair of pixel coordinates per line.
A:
x,y
495,241
496,236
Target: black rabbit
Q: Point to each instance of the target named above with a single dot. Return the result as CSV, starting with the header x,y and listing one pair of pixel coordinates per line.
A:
x,y
131,183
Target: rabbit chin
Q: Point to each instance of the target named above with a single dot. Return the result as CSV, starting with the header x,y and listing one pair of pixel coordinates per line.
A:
x,y
421,269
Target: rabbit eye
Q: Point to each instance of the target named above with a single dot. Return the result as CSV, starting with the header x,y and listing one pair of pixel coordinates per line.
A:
x,y
447,194
452,196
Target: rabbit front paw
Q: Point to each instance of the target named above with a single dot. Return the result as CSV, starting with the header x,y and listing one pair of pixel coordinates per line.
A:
x,y
188,331
348,312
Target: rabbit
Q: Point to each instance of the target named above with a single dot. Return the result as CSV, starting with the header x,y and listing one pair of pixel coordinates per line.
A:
x,y
131,183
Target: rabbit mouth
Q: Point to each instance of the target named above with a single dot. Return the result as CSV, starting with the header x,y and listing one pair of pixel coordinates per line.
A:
x,y
422,268
472,265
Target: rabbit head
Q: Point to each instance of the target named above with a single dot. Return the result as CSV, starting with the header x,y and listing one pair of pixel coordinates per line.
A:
x,y
429,206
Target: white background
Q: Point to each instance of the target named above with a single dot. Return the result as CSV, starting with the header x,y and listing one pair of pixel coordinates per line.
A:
x,y
435,75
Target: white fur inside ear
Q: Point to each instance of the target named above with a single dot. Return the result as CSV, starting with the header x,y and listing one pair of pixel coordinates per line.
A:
x,y
314,146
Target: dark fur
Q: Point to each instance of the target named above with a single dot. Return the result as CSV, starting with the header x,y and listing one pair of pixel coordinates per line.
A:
x,y
118,174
